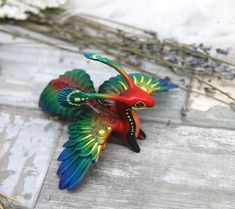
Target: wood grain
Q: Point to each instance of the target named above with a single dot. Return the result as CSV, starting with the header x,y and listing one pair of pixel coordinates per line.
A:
x,y
26,147
178,167
188,164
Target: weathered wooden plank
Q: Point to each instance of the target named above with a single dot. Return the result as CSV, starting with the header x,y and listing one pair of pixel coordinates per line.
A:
x,y
178,167
27,68
217,116
206,111
26,147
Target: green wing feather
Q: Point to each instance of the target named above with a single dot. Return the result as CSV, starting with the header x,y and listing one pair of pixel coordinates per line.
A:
x,y
76,78
87,138
117,85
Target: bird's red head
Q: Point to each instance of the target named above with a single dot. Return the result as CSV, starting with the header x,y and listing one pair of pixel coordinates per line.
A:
x,y
137,98
133,97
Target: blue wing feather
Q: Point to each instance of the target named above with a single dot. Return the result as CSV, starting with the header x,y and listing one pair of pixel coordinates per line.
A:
x,y
83,148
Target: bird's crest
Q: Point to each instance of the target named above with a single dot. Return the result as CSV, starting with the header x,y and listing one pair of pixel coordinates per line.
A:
x,y
71,97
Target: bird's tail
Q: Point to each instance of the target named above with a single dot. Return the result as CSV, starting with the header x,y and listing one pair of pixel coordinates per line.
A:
x,y
76,79
165,85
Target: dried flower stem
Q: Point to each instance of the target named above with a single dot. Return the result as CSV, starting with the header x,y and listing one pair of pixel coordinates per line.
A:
x,y
84,31
214,87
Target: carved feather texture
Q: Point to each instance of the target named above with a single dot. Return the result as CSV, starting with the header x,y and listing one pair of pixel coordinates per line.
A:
x,y
87,138
117,85
76,79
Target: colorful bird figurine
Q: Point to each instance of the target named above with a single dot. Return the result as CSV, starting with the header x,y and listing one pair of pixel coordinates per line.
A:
x,y
97,115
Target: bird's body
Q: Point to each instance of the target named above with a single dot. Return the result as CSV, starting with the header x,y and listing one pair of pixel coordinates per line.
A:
x,y
97,115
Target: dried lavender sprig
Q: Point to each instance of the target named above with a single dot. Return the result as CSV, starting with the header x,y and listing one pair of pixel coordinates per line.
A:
x,y
121,44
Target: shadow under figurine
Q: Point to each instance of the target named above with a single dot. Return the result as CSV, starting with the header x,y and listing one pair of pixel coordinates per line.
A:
x,y
97,115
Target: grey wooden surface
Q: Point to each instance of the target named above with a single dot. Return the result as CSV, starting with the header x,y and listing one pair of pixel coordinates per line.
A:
x,y
26,148
186,162
178,167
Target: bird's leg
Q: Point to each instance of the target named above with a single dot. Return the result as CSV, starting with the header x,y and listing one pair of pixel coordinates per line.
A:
x,y
141,135
133,143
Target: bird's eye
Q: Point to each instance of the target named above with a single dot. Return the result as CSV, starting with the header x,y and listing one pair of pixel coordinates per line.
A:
x,y
139,104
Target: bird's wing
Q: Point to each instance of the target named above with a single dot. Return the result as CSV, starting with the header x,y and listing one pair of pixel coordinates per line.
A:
x,y
117,85
76,78
87,139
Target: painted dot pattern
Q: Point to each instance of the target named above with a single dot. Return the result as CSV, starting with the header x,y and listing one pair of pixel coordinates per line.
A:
x,y
131,121
75,101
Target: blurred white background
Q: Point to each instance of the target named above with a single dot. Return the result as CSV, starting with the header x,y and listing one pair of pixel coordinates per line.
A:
x,y
210,21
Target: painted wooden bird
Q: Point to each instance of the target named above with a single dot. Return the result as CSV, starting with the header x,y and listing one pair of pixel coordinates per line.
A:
x,y
97,115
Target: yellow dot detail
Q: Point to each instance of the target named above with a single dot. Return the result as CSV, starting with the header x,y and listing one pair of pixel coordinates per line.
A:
x,y
144,88
101,132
